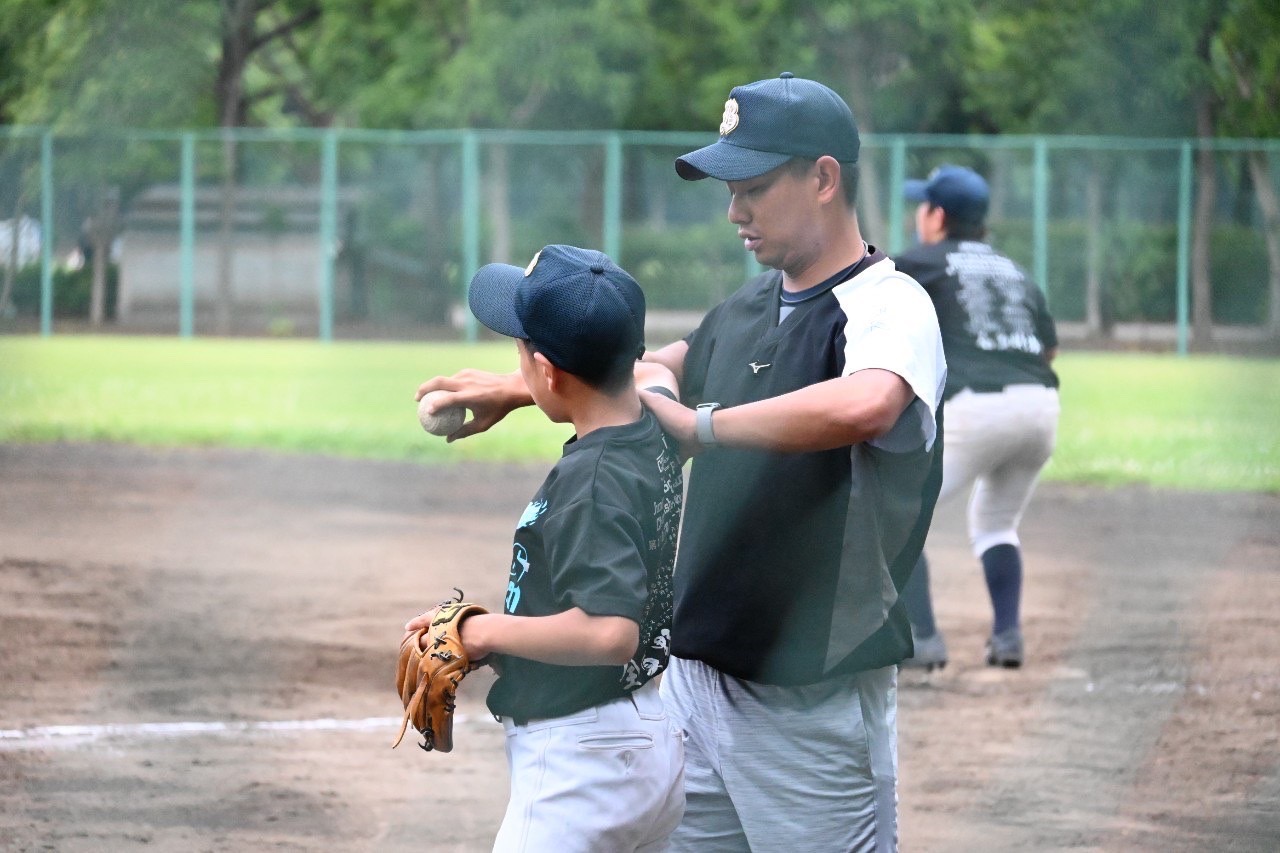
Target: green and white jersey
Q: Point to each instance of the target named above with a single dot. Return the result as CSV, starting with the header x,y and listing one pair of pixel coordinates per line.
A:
x,y
600,535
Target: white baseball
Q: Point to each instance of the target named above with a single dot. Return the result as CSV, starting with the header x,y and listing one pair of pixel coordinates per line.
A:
x,y
443,422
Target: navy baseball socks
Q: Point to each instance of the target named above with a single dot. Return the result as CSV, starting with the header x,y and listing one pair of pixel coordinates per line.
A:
x,y
1002,566
930,648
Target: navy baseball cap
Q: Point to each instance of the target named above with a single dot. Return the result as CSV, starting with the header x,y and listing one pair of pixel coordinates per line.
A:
x,y
958,190
580,309
769,122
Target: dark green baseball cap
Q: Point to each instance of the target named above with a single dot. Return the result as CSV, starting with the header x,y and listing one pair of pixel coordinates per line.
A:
x,y
769,122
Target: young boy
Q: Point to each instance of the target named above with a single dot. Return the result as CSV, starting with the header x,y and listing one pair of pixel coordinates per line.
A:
x,y
595,763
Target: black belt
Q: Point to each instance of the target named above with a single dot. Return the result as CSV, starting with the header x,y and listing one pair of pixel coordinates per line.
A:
x,y
985,387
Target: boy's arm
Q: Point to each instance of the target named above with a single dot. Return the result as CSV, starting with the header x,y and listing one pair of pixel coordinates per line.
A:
x,y
492,396
671,357
571,638
651,374
489,396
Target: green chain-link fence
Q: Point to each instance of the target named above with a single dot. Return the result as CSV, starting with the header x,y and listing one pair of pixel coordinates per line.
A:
x,y
351,233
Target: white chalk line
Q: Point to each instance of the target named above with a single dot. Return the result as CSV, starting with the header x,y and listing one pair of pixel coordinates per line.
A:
x,y
43,737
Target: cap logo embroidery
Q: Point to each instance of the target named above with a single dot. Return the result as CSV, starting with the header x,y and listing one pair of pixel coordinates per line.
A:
x,y
528,271
730,118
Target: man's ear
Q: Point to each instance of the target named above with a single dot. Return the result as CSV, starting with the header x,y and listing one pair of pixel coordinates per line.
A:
x,y
828,170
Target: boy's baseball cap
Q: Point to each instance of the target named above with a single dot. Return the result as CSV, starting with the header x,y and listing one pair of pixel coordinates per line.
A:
x,y
580,309
958,190
769,122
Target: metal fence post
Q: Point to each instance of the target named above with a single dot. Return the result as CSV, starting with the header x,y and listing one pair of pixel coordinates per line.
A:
x,y
46,234
1184,246
328,229
1040,226
897,178
611,229
470,223
187,266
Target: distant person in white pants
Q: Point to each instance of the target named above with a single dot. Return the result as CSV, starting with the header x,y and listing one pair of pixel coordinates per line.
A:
x,y
1000,413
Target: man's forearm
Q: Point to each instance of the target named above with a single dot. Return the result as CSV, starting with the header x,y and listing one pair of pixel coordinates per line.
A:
x,y
835,413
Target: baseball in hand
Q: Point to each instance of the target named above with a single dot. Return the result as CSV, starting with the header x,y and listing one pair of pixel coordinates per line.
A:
x,y
443,422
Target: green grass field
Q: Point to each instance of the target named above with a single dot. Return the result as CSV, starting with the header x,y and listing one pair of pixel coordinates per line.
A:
x,y
1194,423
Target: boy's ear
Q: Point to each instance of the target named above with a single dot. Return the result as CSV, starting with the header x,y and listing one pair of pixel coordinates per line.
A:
x,y
548,372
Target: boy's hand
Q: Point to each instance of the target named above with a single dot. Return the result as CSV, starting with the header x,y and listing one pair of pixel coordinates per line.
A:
x,y
489,396
432,663
420,621
472,639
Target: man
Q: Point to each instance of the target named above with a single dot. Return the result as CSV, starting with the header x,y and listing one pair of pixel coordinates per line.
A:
x,y
812,489
1002,399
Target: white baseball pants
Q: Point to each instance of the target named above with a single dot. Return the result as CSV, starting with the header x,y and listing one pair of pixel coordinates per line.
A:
x,y
607,778
997,445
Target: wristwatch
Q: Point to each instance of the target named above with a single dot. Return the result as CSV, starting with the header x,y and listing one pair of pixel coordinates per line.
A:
x,y
702,424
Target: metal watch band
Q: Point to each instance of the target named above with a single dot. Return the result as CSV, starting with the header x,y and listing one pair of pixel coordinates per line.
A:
x,y
702,423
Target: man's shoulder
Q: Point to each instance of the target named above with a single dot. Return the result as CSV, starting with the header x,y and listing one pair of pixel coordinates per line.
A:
x,y
882,280
756,295
757,288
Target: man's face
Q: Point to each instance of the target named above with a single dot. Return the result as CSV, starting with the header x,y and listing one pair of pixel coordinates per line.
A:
x,y
776,214
930,223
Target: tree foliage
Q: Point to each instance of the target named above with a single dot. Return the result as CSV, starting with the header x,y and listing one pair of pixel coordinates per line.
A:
x,y
121,63
1058,66
1245,68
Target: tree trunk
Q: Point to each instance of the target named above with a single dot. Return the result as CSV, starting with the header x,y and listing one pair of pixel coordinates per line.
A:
x,y
871,220
101,233
1206,197
1093,315
1265,192
225,299
237,44
498,201
11,267
428,207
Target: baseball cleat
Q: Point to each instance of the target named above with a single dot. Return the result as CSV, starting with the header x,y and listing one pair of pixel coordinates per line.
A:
x,y
930,654
1005,649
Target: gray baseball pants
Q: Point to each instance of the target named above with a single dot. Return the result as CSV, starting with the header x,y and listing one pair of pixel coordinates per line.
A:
x,y
771,768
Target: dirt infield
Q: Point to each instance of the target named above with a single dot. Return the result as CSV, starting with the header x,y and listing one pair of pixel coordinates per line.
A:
x,y
222,626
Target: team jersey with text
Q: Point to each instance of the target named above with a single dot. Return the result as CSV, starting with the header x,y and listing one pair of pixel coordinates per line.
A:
x,y
790,563
600,534
996,325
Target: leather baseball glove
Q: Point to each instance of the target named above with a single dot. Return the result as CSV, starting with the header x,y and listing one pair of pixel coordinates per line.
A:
x,y
432,664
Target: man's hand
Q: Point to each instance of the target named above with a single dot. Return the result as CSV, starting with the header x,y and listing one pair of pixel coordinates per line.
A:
x,y
676,419
489,397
